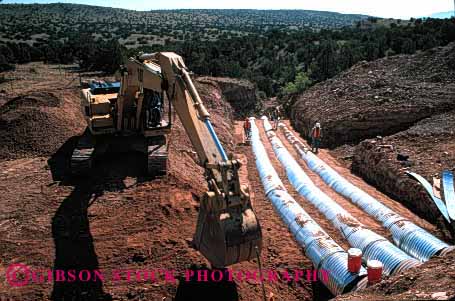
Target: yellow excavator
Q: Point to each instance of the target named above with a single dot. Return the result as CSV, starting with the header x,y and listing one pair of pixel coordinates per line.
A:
x,y
136,114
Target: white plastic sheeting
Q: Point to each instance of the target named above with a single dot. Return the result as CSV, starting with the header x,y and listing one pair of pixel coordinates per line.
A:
x,y
411,238
325,253
373,246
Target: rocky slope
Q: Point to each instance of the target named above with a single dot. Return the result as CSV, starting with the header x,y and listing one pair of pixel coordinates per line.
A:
x,y
379,98
428,148
241,94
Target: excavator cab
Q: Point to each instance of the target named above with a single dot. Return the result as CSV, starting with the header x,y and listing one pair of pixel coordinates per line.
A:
x,y
138,114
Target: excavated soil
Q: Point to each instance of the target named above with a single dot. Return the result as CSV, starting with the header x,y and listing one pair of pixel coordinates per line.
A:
x,y
240,93
382,97
428,148
119,219
38,123
408,100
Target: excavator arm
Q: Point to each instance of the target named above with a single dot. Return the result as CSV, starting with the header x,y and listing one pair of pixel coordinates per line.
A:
x,y
227,231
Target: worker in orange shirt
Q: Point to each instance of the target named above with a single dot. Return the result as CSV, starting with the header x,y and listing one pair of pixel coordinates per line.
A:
x,y
247,129
316,135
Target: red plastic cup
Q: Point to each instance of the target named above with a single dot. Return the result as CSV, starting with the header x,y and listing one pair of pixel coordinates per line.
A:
x,y
374,269
354,260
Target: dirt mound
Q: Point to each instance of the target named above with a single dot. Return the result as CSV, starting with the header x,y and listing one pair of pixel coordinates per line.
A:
x,y
38,123
379,98
38,99
408,100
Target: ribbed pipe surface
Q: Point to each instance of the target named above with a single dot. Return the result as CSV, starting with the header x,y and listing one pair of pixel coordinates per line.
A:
x,y
372,245
325,253
409,237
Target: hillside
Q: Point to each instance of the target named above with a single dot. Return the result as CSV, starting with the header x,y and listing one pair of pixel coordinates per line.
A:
x,y
382,97
408,102
54,22
272,49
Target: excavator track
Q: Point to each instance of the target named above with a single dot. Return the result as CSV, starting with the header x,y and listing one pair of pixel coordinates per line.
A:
x,y
83,155
157,159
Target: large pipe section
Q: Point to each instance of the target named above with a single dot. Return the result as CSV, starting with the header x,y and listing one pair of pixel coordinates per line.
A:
x,y
373,246
325,253
406,235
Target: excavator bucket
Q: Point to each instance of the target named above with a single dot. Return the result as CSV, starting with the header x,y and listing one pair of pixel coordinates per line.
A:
x,y
229,236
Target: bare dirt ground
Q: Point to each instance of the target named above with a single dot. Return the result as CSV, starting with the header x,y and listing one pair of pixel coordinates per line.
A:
x,y
118,219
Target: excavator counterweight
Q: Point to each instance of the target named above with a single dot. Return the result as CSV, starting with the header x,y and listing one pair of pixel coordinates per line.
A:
x,y
138,114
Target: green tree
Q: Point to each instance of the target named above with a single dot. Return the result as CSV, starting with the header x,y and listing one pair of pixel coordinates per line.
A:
x,y
301,83
326,60
408,47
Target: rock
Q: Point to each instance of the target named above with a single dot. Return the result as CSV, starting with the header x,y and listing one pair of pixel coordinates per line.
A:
x,y
241,94
189,242
406,164
439,296
402,157
138,258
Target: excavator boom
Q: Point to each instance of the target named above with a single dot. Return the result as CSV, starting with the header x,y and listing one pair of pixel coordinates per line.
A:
x,y
227,230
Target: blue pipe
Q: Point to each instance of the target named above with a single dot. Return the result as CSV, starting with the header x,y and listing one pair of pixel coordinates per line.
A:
x,y
215,138
449,193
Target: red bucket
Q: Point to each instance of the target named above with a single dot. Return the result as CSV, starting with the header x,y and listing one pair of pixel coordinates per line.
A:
x,y
354,260
374,270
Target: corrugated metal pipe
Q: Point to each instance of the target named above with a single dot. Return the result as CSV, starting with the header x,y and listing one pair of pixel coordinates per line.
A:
x,y
373,246
325,253
406,235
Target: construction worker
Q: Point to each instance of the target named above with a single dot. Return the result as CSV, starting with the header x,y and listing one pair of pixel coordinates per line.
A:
x,y
247,128
316,135
277,118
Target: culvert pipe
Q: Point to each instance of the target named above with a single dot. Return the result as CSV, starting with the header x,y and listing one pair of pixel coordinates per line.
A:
x,y
373,246
323,251
406,235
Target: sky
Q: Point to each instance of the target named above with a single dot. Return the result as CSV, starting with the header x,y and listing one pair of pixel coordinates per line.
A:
x,y
403,9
